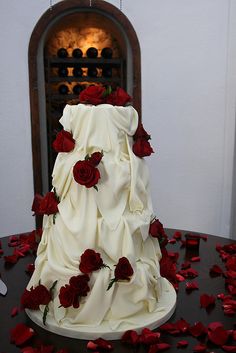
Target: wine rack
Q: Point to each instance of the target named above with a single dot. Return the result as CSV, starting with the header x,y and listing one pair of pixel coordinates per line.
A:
x,y
63,86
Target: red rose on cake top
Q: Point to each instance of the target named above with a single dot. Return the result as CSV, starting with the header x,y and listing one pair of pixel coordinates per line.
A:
x,y
92,95
118,97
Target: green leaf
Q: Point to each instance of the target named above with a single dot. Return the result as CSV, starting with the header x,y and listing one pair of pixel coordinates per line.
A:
x,y
95,187
113,280
53,286
86,158
45,312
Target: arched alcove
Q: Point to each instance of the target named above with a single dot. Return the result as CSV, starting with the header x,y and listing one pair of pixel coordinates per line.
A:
x,y
102,15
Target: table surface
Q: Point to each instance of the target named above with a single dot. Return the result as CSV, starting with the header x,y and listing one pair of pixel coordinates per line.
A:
x,y
188,304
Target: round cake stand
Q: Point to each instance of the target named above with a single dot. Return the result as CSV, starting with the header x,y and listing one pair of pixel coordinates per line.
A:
x,y
165,308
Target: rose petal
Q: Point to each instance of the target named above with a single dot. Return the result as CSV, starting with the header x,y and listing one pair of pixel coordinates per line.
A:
x,y
159,347
191,286
21,334
218,336
177,235
29,350
14,311
172,241
198,329
149,337
63,350
195,259
229,348
215,270
130,337
103,344
214,325
170,328
182,344
180,278
207,300
185,265
199,348
182,325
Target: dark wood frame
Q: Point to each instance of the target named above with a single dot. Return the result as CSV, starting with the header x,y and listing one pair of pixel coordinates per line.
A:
x,y
39,30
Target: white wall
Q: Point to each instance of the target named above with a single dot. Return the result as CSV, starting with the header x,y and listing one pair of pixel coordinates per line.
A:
x,y
188,94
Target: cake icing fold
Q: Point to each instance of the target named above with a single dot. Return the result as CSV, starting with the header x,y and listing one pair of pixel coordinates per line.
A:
x,y
113,220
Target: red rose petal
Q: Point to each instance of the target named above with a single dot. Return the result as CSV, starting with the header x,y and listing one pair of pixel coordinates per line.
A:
x,y
185,265
149,337
219,336
199,348
63,350
177,235
172,241
159,347
215,270
170,328
29,350
207,300
198,329
191,286
182,325
14,311
182,344
91,345
195,259
180,278
130,337
21,334
214,325
229,348
103,344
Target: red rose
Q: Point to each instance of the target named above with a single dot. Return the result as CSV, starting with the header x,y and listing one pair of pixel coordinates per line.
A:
x,y
39,295
64,142
92,95
123,269
156,230
86,174
36,203
79,284
141,133
95,158
49,204
67,296
142,148
118,97
90,261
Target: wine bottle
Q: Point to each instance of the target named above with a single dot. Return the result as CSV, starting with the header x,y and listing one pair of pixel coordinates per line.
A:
x,y
62,53
107,71
77,89
92,72
107,53
77,71
63,89
63,71
92,52
77,53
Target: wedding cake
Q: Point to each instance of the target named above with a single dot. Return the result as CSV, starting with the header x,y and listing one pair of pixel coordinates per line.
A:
x,y
97,267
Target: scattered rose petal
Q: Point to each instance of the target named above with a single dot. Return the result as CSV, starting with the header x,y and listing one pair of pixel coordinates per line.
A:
x,y
214,325
191,286
218,336
182,325
195,259
199,348
215,270
14,311
182,344
180,278
170,328
103,344
130,337
21,334
185,265
159,347
198,329
188,273
63,350
92,346
173,255
30,268
149,337
207,300
229,348
172,241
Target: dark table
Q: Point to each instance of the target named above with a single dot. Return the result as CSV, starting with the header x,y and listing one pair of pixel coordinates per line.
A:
x,y
188,304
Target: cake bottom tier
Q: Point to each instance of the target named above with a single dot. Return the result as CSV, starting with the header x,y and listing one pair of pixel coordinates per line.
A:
x,y
165,307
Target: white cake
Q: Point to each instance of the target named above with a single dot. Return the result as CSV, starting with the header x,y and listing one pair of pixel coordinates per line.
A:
x,y
113,221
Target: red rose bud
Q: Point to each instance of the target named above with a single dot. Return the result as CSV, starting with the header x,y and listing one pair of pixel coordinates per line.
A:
x,y
141,133
118,97
92,95
90,261
64,142
86,174
95,158
142,148
156,230
123,270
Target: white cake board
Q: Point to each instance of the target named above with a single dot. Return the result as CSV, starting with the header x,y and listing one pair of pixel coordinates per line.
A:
x,y
165,309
